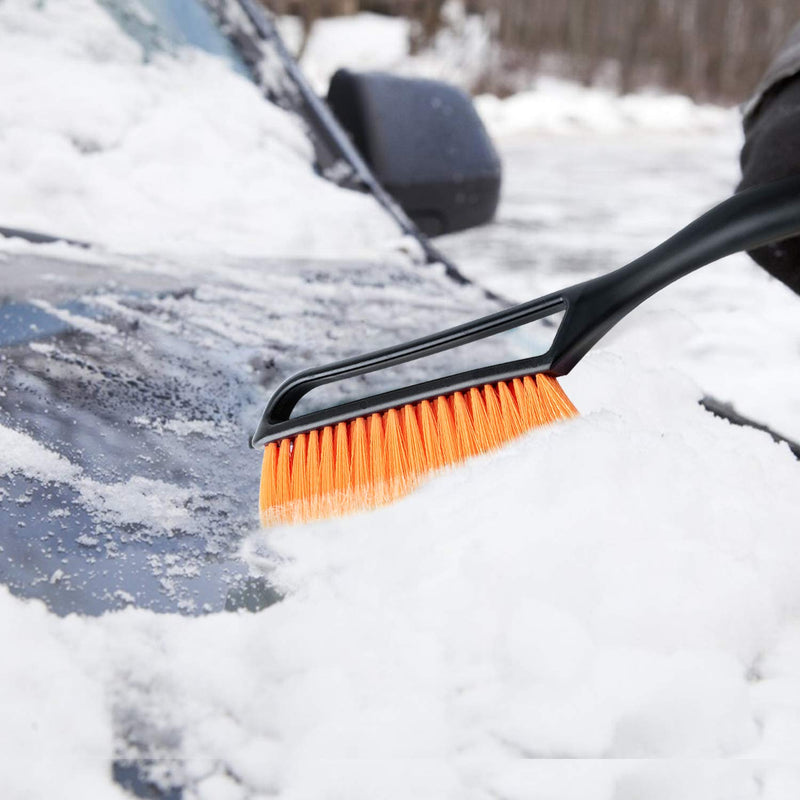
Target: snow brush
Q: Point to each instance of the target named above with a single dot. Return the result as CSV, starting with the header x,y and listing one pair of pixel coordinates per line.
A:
x,y
370,451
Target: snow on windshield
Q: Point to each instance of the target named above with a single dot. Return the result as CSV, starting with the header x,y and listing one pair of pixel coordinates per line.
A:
x,y
170,154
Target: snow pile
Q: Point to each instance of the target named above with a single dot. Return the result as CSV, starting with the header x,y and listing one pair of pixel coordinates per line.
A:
x,y
177,154
557,106
56,731
588,593
585,593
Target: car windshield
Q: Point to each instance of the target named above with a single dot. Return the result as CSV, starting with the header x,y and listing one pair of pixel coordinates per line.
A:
x,y
166,25
223,259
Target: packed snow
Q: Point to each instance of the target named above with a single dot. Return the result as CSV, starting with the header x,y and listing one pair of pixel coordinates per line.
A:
x,y
608,609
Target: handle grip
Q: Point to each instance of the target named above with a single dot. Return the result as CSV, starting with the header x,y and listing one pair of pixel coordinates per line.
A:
x,y
746,221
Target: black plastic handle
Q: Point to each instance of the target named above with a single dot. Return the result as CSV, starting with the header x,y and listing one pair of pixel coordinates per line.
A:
x,y
745,221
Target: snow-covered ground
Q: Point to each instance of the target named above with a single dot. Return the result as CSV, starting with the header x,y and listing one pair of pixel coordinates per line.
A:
x,y
458,54
608,608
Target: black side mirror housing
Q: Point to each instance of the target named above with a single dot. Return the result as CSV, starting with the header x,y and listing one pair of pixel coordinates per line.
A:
x,y
425,143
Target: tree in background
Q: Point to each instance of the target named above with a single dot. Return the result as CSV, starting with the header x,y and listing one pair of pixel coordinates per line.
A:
x,y
309,11
425,14
708,49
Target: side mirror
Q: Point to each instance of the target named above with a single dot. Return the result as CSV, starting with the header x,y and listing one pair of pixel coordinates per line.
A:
x,y
425,143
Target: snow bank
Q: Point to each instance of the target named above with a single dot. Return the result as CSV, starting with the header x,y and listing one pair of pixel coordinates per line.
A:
x,y
558,106
178,154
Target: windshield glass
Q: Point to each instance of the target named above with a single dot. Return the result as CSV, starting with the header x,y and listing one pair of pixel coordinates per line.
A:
x,y
160,25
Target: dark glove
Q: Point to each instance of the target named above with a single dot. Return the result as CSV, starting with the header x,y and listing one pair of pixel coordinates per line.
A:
x,y
772,151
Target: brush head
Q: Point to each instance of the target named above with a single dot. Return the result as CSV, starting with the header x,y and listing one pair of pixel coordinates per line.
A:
x,y
369,461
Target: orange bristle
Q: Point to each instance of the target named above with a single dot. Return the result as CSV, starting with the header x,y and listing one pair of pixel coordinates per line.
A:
x,y
283,492
394,452
527,417
367,462
509,411
299,476
430,435
500,427
564,405
484,431
270,510
533,402
312,463
464,426
446,429
376,456
359,453
341,472
326,461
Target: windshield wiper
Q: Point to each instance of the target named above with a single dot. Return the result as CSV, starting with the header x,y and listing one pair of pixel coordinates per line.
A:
x,y
40,238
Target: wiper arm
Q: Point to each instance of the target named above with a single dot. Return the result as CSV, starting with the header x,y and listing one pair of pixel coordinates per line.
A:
x,y
36,237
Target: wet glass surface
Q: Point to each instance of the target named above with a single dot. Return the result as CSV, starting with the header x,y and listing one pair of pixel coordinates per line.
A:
x,y
165,25
128,391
